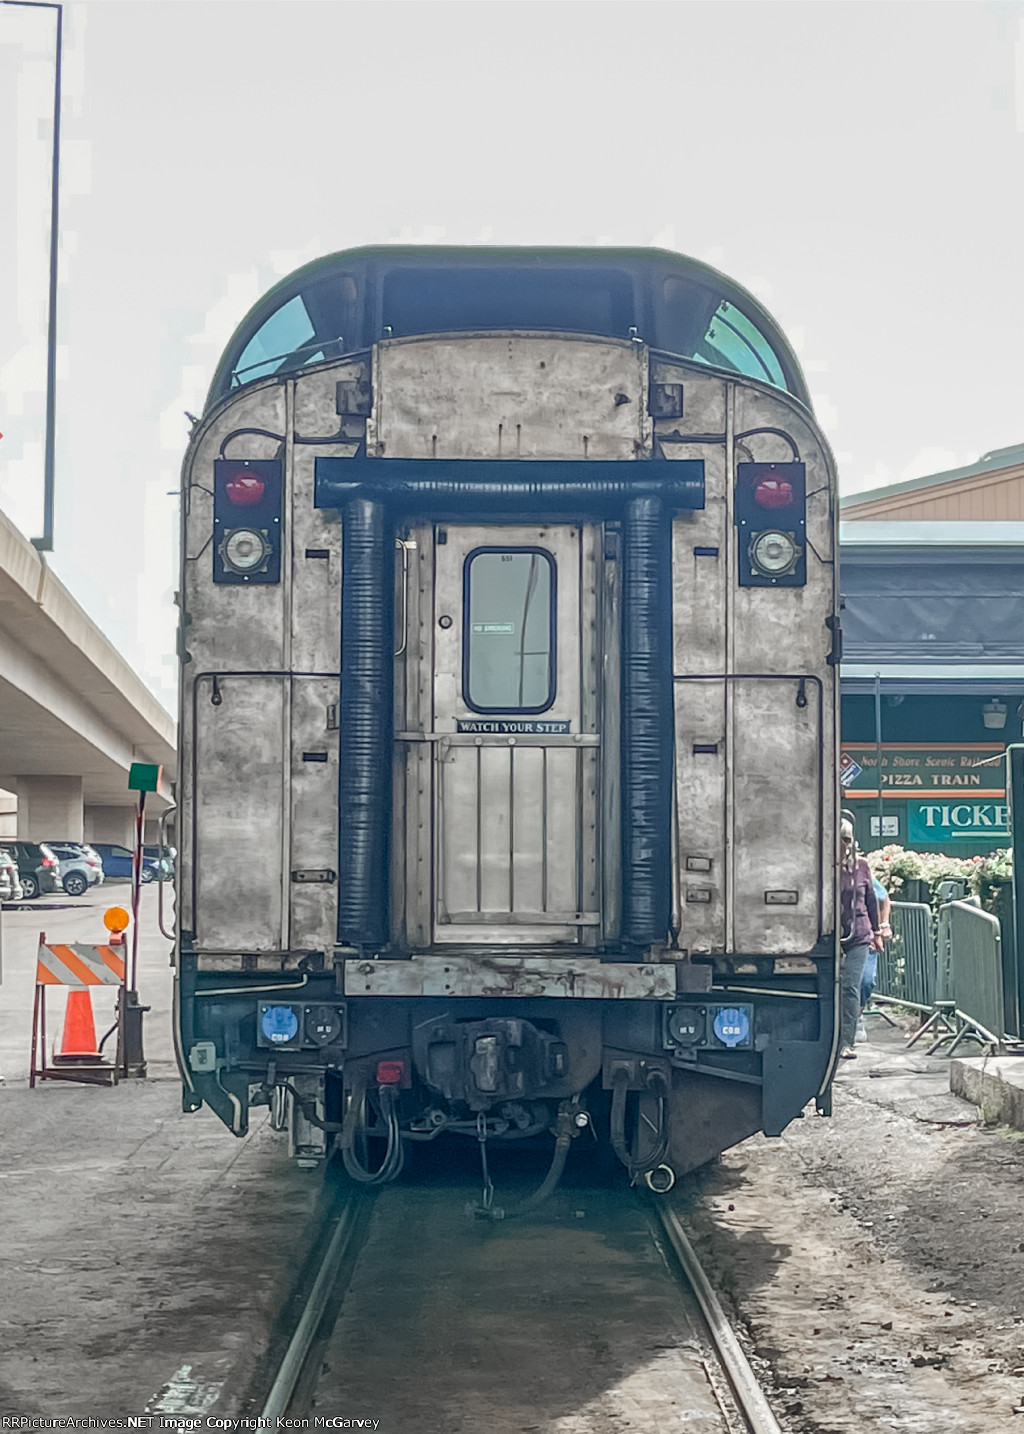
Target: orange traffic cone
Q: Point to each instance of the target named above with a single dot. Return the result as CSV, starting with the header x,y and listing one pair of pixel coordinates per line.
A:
x,y
78,1039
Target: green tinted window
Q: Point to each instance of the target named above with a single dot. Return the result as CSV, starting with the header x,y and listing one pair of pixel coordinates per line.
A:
x,y
509,628
733,342
285,331
695,322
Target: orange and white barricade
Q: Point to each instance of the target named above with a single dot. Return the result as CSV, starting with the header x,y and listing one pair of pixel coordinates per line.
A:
x,y
78,968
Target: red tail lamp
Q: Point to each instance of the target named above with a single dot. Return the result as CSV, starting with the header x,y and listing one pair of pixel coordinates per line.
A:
x,y
390,1072
245,489
773,493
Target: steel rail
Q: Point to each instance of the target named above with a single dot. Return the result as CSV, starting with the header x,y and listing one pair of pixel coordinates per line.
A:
x,y
283,1387
742,1380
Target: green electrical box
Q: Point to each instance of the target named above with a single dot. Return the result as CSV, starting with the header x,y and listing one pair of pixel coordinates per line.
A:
x,y
144,777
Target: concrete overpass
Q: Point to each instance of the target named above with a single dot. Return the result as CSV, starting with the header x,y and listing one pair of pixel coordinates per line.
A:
x,y
73,714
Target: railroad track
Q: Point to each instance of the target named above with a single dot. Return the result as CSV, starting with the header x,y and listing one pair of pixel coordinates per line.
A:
x,y
594,1310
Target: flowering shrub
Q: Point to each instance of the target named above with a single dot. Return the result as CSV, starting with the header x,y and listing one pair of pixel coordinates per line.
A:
x,y
894,866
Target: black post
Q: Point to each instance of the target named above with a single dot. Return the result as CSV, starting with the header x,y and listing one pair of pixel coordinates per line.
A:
x,y
878,756
45,543
1002,907
1015,799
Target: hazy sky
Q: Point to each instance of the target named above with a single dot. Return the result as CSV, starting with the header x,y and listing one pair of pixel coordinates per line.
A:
x,y
859,166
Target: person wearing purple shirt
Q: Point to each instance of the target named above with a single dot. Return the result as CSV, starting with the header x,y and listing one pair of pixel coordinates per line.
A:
x,y
859,934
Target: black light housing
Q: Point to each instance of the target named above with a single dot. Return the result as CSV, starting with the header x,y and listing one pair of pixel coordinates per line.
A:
x,y
770,513
247,521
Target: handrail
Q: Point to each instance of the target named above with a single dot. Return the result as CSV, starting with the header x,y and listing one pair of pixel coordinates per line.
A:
x,y
162,843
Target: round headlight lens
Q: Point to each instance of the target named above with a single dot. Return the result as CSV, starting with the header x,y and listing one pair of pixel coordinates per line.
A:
x,y
244,550
774,552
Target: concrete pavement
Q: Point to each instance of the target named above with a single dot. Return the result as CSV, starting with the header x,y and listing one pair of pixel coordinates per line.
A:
x,y
148,1254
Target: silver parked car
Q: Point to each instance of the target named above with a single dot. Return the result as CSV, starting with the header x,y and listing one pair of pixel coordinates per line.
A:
x,y
80,866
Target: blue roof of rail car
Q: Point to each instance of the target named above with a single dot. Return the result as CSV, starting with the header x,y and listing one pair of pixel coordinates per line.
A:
x,y
664,296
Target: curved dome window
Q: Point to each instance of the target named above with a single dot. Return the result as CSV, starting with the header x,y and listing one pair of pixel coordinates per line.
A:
x,y
695,322
284,333
347,302
311,326
733,342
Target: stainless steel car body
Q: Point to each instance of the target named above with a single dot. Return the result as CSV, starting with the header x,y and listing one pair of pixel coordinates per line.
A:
x,y
754,687
504,859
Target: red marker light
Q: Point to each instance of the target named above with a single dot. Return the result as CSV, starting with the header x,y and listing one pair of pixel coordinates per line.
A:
x,y
390,1072
245,489
773,493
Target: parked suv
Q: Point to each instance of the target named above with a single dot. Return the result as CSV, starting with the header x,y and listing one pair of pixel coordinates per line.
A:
x,y
10,882
80,867
38,868
164,857
117,861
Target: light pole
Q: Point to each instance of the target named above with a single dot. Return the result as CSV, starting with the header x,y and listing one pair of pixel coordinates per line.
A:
x,y
45,543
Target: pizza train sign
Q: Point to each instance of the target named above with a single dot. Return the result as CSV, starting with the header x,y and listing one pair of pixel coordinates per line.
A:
x,y
915,771
941,793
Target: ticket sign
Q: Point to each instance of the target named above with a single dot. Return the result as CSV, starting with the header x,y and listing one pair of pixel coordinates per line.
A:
x,y
909,771
945,819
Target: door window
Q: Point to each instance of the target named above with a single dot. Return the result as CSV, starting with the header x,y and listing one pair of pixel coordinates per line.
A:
x,y
508,662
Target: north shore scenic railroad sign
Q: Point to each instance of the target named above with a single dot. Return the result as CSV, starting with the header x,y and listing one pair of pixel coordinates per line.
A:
x,y
946,792
913,771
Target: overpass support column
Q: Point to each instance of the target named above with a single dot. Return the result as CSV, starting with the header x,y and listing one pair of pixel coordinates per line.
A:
x,y
111,824
50,807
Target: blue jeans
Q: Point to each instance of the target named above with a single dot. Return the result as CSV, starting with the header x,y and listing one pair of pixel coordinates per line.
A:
x,y
851,974
867,981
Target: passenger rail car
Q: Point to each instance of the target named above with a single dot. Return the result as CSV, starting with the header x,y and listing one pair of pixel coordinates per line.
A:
x,y
508,721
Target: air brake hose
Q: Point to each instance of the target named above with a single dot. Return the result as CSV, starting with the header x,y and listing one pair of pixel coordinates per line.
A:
x,y
565,1129
394,1155
620,1086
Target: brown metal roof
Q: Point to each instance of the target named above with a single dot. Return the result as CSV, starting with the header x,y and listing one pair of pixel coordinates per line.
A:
x,y
991,490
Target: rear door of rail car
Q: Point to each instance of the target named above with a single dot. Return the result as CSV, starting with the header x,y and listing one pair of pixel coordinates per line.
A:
x,y
516,741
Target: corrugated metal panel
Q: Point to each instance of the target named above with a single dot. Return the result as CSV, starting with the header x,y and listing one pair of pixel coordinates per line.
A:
x,y
988,498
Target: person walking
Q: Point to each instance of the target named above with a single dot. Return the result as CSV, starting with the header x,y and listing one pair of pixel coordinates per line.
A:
x,y
867,984
859,933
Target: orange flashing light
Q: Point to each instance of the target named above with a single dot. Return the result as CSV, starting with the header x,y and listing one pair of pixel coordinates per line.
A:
x,y
115,918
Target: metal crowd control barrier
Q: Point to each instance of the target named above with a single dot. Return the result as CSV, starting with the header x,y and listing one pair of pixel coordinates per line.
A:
x,y
906,967
950,969
975,969
969,979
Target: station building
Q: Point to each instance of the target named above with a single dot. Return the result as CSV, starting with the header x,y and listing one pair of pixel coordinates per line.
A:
x,y
933,654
